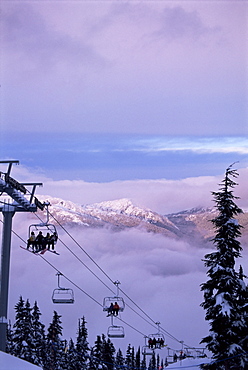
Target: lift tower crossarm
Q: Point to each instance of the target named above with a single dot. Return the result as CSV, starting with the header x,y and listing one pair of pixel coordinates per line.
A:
x,y
10,162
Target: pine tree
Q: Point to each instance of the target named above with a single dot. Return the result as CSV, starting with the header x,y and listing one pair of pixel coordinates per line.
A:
x,y
38,332
137,359
9,340
22,333
54,345
220,291
152,362
119,360
108,351
71,356
243,303
130,361
96,357
82,345
143,363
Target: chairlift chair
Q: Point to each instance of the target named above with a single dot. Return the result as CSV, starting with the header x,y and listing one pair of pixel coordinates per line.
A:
x,y
44,227
116,331
108,300
159,338
147,351
62,295
112,300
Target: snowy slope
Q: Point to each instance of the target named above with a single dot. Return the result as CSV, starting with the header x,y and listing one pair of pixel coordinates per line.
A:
x,y
8,362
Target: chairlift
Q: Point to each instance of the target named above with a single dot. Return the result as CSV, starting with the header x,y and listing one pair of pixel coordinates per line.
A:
x,y
62,295
115,331
147,351
44,228
158,339
107,301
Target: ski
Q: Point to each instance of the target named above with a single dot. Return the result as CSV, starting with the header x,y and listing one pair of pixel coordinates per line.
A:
x,y
39,252
28,250
49,250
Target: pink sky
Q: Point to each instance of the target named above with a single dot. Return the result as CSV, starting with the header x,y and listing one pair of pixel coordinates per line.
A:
x,y
160,67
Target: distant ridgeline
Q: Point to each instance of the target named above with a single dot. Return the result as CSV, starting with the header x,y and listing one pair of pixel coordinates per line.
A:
x,y
192,225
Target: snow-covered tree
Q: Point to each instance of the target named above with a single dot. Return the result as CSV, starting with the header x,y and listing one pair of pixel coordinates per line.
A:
x,y
9,340
96,356
55,347
130,360
221,301
71,356
143,363
152,362
82,345
38,333
243,303
119,360
108,351
22,332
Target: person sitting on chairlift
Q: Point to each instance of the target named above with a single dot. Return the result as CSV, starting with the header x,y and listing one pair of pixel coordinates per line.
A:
x,y
150,343
110,310
116,309
39,242
47,241
53,239
31,241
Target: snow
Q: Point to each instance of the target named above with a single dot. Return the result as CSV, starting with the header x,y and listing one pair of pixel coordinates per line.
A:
x,y
193,363
225,307
8,362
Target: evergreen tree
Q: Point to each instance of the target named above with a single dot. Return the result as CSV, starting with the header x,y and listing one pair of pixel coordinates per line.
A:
x,y
54,345
96,357
143,363
130,361
119,360
38,331
82,345
243,303
158,362
9,340
71,356
108,351
22,333
221,302
137,359
152,362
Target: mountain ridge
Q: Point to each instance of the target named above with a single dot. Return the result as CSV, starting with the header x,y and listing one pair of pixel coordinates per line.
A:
x,y
191,225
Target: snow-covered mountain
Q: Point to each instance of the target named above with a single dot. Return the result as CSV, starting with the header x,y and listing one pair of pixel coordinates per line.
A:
x,y
191,225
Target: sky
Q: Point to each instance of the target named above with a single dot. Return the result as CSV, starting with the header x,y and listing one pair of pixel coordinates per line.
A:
x,y
145,100
122,90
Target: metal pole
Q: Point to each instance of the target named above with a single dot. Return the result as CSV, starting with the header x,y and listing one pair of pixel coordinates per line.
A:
x,y
8,213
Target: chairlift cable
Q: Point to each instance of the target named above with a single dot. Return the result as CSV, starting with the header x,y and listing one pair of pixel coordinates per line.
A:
x,y
77,286
79,259
49,213
168,334
92,271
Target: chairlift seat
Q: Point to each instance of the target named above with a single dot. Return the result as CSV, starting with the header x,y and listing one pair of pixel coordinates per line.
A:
x,y
108,300
44,228
147,351
158,337
63,295
116,332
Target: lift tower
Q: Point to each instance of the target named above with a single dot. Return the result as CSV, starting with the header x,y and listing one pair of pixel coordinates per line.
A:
x,y
19,200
